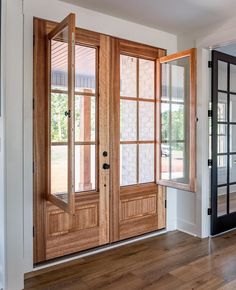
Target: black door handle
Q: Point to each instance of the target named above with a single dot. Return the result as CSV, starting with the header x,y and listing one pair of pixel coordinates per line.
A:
x,y
105,166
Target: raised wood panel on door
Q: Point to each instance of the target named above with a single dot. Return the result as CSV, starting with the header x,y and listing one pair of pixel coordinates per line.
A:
x,y
142,210
68,233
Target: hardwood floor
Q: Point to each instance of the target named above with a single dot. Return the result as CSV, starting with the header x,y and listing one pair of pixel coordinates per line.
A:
x,y
171,261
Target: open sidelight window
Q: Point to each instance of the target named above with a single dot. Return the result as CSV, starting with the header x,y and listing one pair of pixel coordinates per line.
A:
x,y
61,88
177,120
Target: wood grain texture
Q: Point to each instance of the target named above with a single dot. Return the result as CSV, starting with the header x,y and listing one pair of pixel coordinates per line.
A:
x,y
171,261
114,140
39,143
104,141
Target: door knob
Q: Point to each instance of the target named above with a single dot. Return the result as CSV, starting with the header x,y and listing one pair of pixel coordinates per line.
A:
x,y
105,166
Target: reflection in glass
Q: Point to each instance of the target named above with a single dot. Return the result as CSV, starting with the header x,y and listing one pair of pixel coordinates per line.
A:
x,y
222,138
177,122
128,120
128,76
221,200
59,121
232,108
222,75
165,161
59,169
85,69
59,61
165,121
85,167
85,118
146,121
222,107
177,161
232,130
232,198
222,169
232,78
146,163
146,79
232,168
128,164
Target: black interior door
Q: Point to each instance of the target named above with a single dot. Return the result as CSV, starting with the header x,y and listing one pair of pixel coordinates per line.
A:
x,y
223,181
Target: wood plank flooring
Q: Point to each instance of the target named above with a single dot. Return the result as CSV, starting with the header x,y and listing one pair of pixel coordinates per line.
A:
x,y
171,261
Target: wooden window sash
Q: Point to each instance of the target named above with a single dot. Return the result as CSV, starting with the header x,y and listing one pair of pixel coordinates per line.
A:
x,y
68,22
191,186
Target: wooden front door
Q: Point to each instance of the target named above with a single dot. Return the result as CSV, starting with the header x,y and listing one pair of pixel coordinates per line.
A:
x,y
95,139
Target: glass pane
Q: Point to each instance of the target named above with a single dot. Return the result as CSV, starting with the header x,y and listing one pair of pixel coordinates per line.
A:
x,y
178,164
222,138
128,76
85,167
222,169
222,107
180,76
59,61
128,164
232,78
165,161
177,122
59,116
165,82
146,121
232,198
165,122
128,120
85,69
232,138
232,168
232,108
221,201
85,118
146,79
222,75
59,169
59,121
146,163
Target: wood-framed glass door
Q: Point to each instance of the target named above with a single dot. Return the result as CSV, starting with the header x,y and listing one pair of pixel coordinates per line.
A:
x,y
60,227
223,178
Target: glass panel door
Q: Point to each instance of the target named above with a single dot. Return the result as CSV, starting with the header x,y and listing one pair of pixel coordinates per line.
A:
x,y
61,55
223,192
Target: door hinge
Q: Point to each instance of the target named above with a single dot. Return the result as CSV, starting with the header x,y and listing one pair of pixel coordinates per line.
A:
x,y
209,211
33,231
210,113
165,203
34,40
210,64
33,103
209,162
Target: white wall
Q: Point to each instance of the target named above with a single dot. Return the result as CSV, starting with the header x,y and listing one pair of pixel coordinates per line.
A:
x,y
13,96
57,10
2,191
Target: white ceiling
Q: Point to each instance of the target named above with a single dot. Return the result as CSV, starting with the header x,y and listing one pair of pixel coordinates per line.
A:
x,y
174,16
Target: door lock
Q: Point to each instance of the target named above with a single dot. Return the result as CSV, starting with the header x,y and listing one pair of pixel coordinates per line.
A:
x,y
106,166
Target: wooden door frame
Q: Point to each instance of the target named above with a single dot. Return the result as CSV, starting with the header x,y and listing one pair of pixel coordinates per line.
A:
x,y
109,91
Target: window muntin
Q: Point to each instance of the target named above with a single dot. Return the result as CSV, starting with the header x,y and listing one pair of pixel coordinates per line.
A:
x,y
137,120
